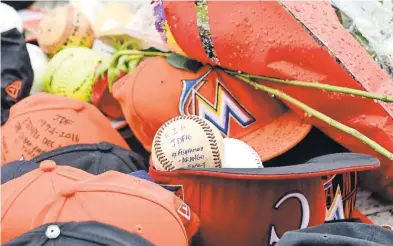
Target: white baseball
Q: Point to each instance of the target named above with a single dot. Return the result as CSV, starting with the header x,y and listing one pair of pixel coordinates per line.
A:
x,y
39,61
238,154
187,142
9,18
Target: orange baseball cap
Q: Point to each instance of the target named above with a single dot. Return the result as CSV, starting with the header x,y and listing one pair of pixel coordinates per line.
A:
x,y
43,122
135,205
22,198
156,92
256,206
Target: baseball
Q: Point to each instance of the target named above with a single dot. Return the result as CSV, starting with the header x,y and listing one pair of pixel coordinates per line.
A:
x,y
64,27
187,142
238,154
71,73
39,61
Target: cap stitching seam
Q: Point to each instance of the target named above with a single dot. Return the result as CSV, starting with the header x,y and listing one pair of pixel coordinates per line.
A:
x,y
129,192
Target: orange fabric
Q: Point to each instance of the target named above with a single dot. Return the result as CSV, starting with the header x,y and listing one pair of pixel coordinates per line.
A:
x,y
357,214
127,202
299,40
148,99
44,122
22,198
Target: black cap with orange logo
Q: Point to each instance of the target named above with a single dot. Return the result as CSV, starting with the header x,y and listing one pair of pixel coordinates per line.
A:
x,y
16,71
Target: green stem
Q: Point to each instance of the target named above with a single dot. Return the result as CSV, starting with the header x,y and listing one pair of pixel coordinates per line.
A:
x,y
317,85
121,65
123,60
135,52
312,112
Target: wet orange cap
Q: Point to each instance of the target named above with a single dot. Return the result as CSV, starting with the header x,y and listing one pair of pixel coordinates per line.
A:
x,y
156,92
44,122
22,198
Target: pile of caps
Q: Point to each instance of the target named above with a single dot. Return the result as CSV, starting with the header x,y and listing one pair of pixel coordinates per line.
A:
x,y
203,131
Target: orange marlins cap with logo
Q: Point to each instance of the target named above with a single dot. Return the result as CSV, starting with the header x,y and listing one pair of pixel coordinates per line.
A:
x,y
43,122
156,92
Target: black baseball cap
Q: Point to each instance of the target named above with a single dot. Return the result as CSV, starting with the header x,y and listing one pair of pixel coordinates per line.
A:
x,y
16,71
92,158
89,233
338,233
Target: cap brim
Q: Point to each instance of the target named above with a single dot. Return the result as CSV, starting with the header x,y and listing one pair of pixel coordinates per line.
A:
x,y
326,165
278,136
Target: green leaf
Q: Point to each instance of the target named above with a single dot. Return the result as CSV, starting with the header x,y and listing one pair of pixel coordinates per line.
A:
x,y
182,62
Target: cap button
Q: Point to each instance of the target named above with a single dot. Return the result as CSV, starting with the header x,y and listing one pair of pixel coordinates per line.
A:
x,y
79,106
139,229
52,232
69,192
48,166
104,146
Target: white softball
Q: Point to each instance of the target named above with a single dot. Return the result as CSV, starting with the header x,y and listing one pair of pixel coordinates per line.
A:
x,y
238,154
9,18
187,142
39,61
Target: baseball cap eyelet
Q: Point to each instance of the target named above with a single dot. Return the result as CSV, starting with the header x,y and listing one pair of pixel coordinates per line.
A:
x,y
52,232
47,166
139,229
104,146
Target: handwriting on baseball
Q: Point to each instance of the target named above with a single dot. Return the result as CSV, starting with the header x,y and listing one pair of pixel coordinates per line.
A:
x,y
191,157
183,152
180,140
175,135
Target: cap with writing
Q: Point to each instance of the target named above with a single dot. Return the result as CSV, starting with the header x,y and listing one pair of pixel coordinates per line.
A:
x,y
257,206
89,233
44,122
235,108
22,198
135,205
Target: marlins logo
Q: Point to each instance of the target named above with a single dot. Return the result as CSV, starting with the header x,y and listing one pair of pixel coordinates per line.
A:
x,y
218,111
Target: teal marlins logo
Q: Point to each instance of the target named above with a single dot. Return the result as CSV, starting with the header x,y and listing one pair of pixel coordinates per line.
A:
x,y
219,110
